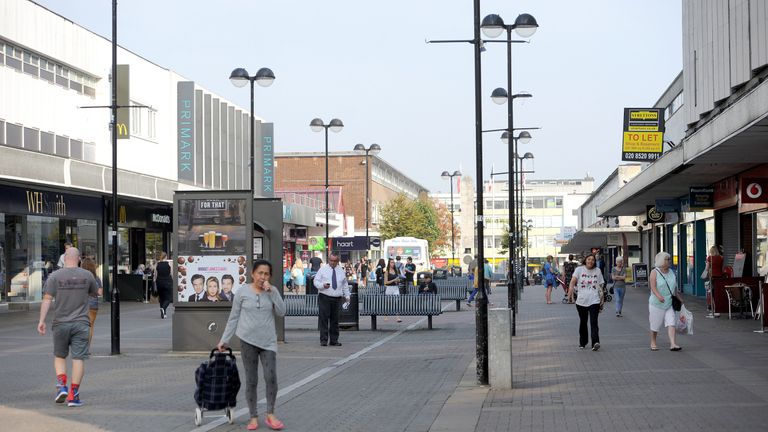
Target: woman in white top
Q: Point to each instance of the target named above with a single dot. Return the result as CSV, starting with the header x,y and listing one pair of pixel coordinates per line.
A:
x,y
588,281
663,285
392,282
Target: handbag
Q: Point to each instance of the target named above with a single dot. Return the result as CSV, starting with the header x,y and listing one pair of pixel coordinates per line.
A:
x,y
610,289
677,304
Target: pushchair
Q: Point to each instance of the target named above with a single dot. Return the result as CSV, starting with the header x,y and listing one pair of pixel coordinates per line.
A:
x,y
561,282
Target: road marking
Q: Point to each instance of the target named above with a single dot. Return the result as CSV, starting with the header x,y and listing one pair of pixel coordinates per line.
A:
x,y
281,393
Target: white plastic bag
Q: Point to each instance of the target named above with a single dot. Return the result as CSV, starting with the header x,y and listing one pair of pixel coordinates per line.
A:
x,y
684,321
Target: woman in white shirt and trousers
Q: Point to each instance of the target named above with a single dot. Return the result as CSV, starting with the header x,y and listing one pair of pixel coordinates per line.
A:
x,y
588,282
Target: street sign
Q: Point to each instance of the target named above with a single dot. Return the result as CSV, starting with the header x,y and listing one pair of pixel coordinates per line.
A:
x,y
700,198
643,134
653,215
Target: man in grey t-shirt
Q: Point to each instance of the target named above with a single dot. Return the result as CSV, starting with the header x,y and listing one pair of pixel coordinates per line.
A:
x,y
71,286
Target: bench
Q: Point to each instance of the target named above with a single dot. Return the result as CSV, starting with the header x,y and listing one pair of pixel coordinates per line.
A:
x,y
300,305
453,288
410,305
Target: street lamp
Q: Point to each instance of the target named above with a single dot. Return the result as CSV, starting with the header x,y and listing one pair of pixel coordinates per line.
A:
x,y
447,176
374,149
525,26
240,78
317,125
528,226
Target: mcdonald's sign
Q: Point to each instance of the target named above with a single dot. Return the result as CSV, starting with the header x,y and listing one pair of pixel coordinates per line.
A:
x,y
122,215
123,100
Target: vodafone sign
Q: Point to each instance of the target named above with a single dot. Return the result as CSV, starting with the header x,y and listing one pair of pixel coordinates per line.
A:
x,y
754,190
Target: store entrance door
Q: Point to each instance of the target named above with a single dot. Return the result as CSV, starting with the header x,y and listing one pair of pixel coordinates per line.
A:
x,y
137,248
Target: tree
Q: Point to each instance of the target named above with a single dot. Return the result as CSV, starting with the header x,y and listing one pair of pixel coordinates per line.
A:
x,y
405,217
443,243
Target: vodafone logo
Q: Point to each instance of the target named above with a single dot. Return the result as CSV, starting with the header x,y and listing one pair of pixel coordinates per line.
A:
x,y
754,190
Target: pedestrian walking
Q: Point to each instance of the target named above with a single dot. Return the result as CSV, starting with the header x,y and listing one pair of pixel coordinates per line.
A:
x,y
93,302
252,319
331,285
619,275
314,264
550,274
476,284
661,312
568,268
588,281
164,282
72,288
297,275
487,275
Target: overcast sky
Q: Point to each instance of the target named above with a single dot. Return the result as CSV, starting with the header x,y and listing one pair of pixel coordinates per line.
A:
x,y
367,63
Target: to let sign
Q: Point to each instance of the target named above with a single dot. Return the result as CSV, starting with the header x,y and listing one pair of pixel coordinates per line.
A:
x,y
643,134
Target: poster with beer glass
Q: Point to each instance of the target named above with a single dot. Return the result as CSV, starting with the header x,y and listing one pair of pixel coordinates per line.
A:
x,y
211,263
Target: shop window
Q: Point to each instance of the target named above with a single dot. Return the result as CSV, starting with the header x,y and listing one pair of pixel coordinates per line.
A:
x,y
761,242
86,238
43,252
13,134
31,139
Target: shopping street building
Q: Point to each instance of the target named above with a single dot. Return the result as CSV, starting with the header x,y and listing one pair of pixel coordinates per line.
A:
x,y
56,153
709,186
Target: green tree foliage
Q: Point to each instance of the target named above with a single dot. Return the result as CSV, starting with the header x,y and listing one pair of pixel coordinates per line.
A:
x,y
405,217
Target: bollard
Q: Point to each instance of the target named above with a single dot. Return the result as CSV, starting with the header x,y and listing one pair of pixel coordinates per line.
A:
x,y
500,347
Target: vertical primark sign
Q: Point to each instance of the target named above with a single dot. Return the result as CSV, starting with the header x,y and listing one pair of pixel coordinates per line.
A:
x,y
185,130
264,159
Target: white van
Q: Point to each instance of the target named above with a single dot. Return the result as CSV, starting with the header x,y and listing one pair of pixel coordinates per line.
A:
x,y
405,247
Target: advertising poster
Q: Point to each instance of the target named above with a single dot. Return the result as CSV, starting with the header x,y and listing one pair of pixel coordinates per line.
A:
x,y
210,278
404,251
211,261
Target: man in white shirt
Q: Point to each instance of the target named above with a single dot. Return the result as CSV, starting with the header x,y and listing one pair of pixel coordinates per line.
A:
x,y
60,264
331,284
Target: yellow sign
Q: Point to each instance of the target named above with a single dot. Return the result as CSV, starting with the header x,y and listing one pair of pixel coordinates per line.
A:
x,y
643,142
644,115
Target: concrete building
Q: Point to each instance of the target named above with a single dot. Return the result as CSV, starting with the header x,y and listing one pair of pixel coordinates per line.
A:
x,y
56,153
304,174
708,189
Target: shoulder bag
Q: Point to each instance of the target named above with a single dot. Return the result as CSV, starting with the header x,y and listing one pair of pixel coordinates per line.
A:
x,y
676,303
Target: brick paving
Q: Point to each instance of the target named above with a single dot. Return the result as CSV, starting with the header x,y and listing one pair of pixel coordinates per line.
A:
x,y
418,380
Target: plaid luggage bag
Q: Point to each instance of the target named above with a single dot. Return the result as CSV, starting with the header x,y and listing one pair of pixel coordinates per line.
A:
x,y
217,383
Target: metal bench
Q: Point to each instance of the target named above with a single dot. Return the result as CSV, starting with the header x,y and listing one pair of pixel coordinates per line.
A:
x,y
300,305
453,288
411,305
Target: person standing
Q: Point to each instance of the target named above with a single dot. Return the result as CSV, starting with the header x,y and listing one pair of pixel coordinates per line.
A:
x,y
588,281
380,268
297,274
164,283
314,264
392,282
663,284
487,275
331,285
60,264
252,319
72,287
410,272
364,270
568,268
712,270
93,302
619,275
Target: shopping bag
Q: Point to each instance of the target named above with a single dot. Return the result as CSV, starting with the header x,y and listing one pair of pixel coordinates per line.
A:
x,y
688,319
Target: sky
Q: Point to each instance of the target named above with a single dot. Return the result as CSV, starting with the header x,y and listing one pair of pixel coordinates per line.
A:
x,y
366,62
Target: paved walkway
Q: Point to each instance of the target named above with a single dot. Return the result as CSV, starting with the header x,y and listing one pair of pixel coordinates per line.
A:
x,y
407,378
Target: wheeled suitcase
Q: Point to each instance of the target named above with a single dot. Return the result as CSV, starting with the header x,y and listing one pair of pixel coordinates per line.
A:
x,y
217,383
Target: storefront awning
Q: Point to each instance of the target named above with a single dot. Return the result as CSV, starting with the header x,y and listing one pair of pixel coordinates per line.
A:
x,y
730,143
584,240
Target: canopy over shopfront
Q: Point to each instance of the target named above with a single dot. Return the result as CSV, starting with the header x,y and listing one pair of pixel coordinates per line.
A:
x,y
583,241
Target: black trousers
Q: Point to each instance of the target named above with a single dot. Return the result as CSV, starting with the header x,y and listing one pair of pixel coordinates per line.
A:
x,y
164,292
328,311
592,312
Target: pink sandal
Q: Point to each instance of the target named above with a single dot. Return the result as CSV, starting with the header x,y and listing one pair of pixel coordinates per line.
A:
x,y
274,424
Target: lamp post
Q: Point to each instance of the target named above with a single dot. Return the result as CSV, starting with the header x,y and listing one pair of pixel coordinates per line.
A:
x,y
525,26
528,226
374,149
334,125
240,78
447,176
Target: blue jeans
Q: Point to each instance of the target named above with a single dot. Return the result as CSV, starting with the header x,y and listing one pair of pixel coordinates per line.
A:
x,y
619,294
474,293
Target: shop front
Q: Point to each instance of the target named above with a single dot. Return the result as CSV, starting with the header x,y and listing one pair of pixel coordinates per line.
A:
x,y
35,223
296,222
144,229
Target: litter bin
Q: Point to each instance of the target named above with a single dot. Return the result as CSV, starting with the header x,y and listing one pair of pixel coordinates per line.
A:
x,y
440,274
456,271
349,317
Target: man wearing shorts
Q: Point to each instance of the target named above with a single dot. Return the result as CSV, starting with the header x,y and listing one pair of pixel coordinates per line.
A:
x,y
71,286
